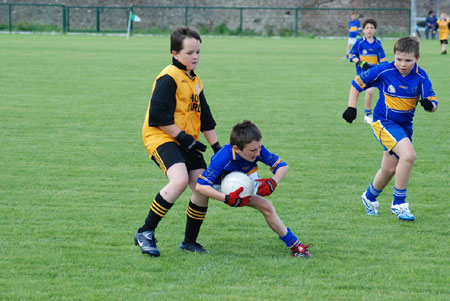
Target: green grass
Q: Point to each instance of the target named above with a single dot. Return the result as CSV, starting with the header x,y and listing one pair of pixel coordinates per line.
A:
x,y
76,181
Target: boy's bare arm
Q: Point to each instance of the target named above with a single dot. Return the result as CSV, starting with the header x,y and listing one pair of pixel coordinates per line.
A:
x,y
281,173
353,97
211,136
210,192
350,113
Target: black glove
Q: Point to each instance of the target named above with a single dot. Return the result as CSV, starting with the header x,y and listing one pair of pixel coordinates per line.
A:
x,y
427,104
349,114
363,65
216,147
189,144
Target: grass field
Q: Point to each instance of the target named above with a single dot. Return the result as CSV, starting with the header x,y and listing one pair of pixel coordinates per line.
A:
x,y
76,181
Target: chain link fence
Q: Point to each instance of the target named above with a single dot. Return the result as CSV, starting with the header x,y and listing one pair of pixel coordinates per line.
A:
x,y
277,21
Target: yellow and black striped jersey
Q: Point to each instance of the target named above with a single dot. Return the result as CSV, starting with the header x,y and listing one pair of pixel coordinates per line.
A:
x,y
176,99
444,29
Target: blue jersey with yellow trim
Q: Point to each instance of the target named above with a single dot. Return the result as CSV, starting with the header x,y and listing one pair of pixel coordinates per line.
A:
x,y
354,27
398,95
373,53
226,161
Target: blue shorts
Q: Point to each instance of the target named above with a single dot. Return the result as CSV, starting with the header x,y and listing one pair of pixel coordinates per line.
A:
x,y
389,133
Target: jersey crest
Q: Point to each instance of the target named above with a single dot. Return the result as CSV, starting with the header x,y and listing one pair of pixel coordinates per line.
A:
x,y
391,89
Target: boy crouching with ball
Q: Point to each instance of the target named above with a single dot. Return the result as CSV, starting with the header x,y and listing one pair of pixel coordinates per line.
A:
x,y
242,154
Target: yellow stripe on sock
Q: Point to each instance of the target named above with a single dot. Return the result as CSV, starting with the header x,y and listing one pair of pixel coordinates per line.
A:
x,y
158,209
195,214
295,244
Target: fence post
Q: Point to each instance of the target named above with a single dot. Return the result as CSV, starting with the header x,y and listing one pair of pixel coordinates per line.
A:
x,y
186,20
64,28
10,16
98,18
240,20
68,19
296,22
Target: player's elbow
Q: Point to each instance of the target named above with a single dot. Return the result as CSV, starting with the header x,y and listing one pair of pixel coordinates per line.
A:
x,y
199,188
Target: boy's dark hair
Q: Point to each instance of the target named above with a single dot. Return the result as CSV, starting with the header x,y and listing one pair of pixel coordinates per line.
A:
x,y
370,21
244,133
407,45
178,35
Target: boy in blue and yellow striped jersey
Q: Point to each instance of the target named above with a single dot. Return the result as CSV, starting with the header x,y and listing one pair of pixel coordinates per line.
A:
x,y
366,53
242,154
402,84
354,28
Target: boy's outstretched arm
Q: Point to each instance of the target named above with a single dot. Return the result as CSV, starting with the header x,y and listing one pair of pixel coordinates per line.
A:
x,y
350,113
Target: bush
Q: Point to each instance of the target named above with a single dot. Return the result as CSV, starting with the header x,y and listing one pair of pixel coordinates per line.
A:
x,y
36,27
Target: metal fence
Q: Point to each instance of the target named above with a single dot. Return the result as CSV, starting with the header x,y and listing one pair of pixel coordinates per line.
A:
x,y
290,21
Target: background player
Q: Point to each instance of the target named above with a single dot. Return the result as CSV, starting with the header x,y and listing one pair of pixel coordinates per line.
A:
x,y
430,24
367,52
402,85
443,24
176,114
354,28
242,154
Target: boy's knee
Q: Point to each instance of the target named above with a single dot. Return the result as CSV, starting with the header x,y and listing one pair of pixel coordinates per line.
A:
x,y
179,184
409,157
389,170
267,209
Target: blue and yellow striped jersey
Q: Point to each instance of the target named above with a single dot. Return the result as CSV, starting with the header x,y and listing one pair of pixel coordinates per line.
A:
x,y
373,53
226,161
354,27
398,95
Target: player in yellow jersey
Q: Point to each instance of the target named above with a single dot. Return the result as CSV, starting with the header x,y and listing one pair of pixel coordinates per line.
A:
x,y
443,24
176,115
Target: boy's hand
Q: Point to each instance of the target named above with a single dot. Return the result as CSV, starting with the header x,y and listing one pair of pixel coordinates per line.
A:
x,y
235,200
349,114
266,187
363,65
189,144
427,104
216,147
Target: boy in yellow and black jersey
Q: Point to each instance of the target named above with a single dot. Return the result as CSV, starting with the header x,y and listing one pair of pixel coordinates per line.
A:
x,y
176,115
443,24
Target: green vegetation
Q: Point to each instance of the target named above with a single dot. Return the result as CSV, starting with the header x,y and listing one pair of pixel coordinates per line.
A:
x,y
76,181
35,27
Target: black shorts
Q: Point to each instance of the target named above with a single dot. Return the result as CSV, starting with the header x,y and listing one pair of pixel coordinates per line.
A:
x,y
170,153
444,41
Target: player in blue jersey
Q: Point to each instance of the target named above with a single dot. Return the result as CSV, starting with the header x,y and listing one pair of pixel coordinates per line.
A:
x,y
354,28
366,53
242,154
402,84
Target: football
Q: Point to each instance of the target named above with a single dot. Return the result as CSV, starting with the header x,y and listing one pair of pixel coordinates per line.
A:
x,y
235,180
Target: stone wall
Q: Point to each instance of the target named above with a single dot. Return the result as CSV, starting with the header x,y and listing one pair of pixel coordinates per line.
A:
x,y
277,21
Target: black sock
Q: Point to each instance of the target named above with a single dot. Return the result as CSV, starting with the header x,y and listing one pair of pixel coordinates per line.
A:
x,y
158,210
195,217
